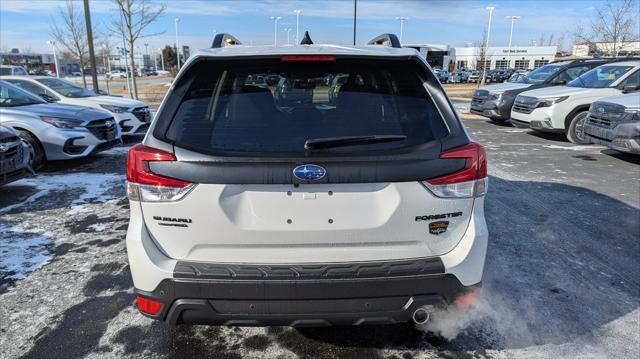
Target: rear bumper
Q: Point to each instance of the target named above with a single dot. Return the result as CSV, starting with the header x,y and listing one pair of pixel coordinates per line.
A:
x,y
298,303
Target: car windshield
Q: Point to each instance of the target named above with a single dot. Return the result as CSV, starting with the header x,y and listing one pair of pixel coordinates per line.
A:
x,y
66,88
239,107
541,74
11,96
600,77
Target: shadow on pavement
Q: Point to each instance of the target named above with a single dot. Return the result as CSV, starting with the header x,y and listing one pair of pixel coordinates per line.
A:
x,y
561,264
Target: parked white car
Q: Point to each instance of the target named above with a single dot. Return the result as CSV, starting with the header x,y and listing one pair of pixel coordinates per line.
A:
x,y
564,109
116,74
13,70
133,116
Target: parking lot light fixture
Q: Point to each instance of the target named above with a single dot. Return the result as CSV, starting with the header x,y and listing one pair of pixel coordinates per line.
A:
x,y
275,29
513,20
288,30
402,20
297,12
55,57
177,20
486,45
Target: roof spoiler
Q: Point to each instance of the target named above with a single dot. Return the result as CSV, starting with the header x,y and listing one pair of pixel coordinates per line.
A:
x,y
386,39
224,39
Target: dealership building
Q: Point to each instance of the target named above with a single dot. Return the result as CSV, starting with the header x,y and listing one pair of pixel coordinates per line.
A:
x,y
517,57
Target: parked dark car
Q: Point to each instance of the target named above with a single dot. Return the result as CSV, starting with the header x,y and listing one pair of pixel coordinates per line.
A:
x,y
495,101
15,155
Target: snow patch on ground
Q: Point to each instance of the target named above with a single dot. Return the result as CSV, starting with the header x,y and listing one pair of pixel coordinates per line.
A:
x,y
573,148
96,187
22,251
99,227
116,151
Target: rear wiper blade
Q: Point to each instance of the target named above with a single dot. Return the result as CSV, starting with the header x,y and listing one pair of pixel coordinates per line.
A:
x,y
328,142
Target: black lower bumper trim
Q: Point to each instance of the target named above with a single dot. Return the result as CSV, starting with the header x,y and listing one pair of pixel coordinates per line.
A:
x,y
309,302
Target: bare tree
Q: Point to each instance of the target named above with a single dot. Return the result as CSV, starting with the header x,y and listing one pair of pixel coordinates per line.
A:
x,y
541,40
134,17
72,34
614,24
550,40
481,56
560,42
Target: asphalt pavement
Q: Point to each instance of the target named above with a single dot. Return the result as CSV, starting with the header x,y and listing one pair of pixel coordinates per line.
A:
x,y
561,280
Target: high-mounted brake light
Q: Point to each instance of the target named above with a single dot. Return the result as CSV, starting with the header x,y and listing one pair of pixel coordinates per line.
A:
x,y
470,181
308,58
149,306
144,185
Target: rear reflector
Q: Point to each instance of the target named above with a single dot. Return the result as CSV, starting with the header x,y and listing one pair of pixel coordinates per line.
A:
x,y
149,306
308,58
471,181
467,300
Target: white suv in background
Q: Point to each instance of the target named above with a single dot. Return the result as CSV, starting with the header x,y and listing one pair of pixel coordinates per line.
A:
x,y
132,116
564,108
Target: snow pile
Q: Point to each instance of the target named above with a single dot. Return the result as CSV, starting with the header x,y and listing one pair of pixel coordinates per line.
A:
x,y
95,187
22,252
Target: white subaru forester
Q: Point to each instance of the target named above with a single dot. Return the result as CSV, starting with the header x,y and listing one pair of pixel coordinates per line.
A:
x,y
299,209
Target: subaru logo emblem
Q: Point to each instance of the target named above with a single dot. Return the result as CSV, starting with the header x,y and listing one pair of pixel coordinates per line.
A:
x,y
108,122
600,109
309,172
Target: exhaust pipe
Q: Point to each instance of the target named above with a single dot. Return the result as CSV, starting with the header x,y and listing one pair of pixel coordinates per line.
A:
x,y
421,315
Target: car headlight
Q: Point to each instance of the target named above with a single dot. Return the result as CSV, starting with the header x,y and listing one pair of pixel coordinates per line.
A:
x,y
61,122
114,109
494,96
631,115
547,102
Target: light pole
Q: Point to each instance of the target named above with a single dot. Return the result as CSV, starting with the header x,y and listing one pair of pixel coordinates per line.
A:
x,y
177,20
288,30
162,59
146,53
513,20
486,45
402,19
275,29
297,12
155,60
55,57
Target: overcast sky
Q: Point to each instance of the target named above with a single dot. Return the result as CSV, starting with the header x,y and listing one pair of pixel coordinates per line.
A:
x,y
26,23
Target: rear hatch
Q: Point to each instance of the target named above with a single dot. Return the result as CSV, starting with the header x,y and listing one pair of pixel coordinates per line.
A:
x,y
267,176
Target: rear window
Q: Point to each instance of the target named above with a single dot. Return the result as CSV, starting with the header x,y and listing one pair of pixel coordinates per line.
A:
x,y
270,106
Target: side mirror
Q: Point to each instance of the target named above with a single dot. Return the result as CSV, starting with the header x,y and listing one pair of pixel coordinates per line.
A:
x,y
48,98
630,88
560,82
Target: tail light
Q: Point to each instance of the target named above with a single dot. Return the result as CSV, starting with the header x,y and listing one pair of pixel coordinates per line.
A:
x,y
144,185
471,181
149,306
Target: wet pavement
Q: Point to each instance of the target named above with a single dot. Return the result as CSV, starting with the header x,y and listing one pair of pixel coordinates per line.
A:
x,y
561,280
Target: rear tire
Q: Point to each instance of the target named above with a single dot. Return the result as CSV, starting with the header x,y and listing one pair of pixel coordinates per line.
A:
x,y
37,153
575,130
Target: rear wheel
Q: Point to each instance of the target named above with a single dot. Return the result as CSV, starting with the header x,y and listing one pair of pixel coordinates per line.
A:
x,y
36,159
575,130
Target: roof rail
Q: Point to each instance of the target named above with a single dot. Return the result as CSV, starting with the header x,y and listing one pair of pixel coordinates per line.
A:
x,y
386,39
224,39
